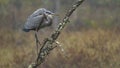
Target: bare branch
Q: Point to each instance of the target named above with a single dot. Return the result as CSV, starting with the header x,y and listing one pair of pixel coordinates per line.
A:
x,y
47,45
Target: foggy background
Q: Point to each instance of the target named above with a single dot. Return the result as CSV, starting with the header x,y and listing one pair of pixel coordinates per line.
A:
x,y
90,40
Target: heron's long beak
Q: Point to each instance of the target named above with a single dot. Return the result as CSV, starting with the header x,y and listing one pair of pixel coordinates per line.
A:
x,y
54,14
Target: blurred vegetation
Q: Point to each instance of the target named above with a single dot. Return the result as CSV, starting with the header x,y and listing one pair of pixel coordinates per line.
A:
x,y
91,40
93,13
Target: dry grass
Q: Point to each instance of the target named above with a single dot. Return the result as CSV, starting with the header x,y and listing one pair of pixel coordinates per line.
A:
x,y
85,49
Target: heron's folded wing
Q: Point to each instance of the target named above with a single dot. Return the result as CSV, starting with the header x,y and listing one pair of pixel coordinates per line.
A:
x,y
33,22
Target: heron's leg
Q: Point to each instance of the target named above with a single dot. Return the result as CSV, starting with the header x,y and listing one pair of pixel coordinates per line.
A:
x,y
37,42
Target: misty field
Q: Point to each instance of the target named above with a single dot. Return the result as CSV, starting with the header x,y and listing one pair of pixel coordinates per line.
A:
x,y
92,48
90,40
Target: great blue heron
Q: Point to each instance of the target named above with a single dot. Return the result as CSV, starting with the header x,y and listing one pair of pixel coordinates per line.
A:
x,y
39,19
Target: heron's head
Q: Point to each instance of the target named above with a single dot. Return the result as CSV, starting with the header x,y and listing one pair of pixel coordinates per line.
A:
x,y
48,13
51,14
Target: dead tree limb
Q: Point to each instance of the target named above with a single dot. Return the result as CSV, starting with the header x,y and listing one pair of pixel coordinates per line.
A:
x,y
47,46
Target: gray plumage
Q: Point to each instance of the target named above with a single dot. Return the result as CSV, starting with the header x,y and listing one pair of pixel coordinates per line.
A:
x,y
39,19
